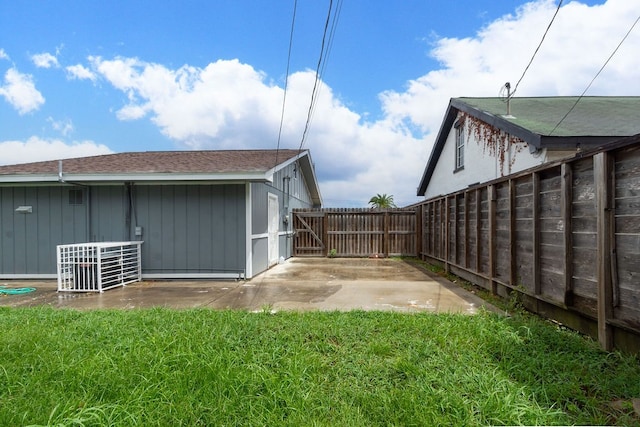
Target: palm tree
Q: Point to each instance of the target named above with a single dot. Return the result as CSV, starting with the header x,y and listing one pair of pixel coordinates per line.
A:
x,y
381,201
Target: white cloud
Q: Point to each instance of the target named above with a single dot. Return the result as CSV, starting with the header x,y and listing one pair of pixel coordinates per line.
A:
x,y
197,106
20,91
37,149
45,60
228,104
65,127
80,72
131,112
577,45
3,54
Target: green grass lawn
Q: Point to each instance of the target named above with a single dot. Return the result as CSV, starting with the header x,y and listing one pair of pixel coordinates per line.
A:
x,y
203,367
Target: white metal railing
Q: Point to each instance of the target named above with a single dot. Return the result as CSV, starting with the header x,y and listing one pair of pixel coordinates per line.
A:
x,y
96,267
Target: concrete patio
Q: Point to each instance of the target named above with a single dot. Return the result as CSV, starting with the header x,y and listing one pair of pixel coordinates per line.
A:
x,y
297,284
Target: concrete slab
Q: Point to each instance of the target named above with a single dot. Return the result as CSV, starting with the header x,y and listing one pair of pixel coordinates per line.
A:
x,y
297,284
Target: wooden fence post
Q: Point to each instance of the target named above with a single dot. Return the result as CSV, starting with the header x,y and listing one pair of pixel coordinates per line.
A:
x,y
454,230
443,229
535,218
419,230
431,225
325,232
492,238
466,229
513,265
478,227
602,169
385,236
566,200
446,234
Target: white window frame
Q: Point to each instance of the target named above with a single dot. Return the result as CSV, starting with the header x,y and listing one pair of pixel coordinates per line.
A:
x,y
459,148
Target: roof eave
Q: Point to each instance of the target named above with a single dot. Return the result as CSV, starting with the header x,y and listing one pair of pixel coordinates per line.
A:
x,y
28,178
309,173
303,158
449,118
573,142
135,177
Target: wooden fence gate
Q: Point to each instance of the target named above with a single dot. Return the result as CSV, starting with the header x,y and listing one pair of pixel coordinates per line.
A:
x,y
309,232
356,232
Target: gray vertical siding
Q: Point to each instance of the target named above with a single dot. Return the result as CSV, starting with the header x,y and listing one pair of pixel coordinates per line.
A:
x,y
187,229
292,193
260,208
298,191
108,210
191,228
28,241
260,250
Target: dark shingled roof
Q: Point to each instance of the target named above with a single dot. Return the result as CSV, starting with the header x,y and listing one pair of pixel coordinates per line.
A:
x,y
149,162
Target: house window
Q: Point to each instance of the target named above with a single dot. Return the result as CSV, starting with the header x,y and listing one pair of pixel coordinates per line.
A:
x,y
76,197
459,146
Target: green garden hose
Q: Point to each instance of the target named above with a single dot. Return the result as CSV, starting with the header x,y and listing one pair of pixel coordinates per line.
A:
x,y
15,291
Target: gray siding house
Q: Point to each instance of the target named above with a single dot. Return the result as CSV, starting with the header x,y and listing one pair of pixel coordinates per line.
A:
x,y
200,214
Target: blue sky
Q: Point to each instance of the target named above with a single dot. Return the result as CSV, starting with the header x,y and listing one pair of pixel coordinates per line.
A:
x,y
86,77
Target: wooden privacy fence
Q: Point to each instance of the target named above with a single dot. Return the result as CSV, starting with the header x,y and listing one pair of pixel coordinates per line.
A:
x,y
355,232
565,236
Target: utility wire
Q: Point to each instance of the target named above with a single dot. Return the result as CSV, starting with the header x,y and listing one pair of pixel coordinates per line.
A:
x,y
334,25
537,49
286,81
315,84
597,74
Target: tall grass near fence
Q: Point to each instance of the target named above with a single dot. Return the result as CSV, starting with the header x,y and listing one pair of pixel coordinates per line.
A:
x,y
201,367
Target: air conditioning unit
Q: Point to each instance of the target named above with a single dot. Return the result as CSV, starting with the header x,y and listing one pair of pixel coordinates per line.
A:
x,y
96,267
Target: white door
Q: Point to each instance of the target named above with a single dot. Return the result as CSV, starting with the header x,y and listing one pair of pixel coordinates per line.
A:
x,y
274,226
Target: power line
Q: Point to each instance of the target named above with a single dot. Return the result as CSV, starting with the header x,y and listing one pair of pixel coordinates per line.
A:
x,y
597,74
318,69
334,24
537,49
286,81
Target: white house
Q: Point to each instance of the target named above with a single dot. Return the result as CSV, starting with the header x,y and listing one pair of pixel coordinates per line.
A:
x,y
482,139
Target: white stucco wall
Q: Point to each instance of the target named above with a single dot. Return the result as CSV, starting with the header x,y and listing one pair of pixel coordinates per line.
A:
x,y
480,164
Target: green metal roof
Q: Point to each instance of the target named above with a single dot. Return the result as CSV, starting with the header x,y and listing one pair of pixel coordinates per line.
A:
x,y
591,115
